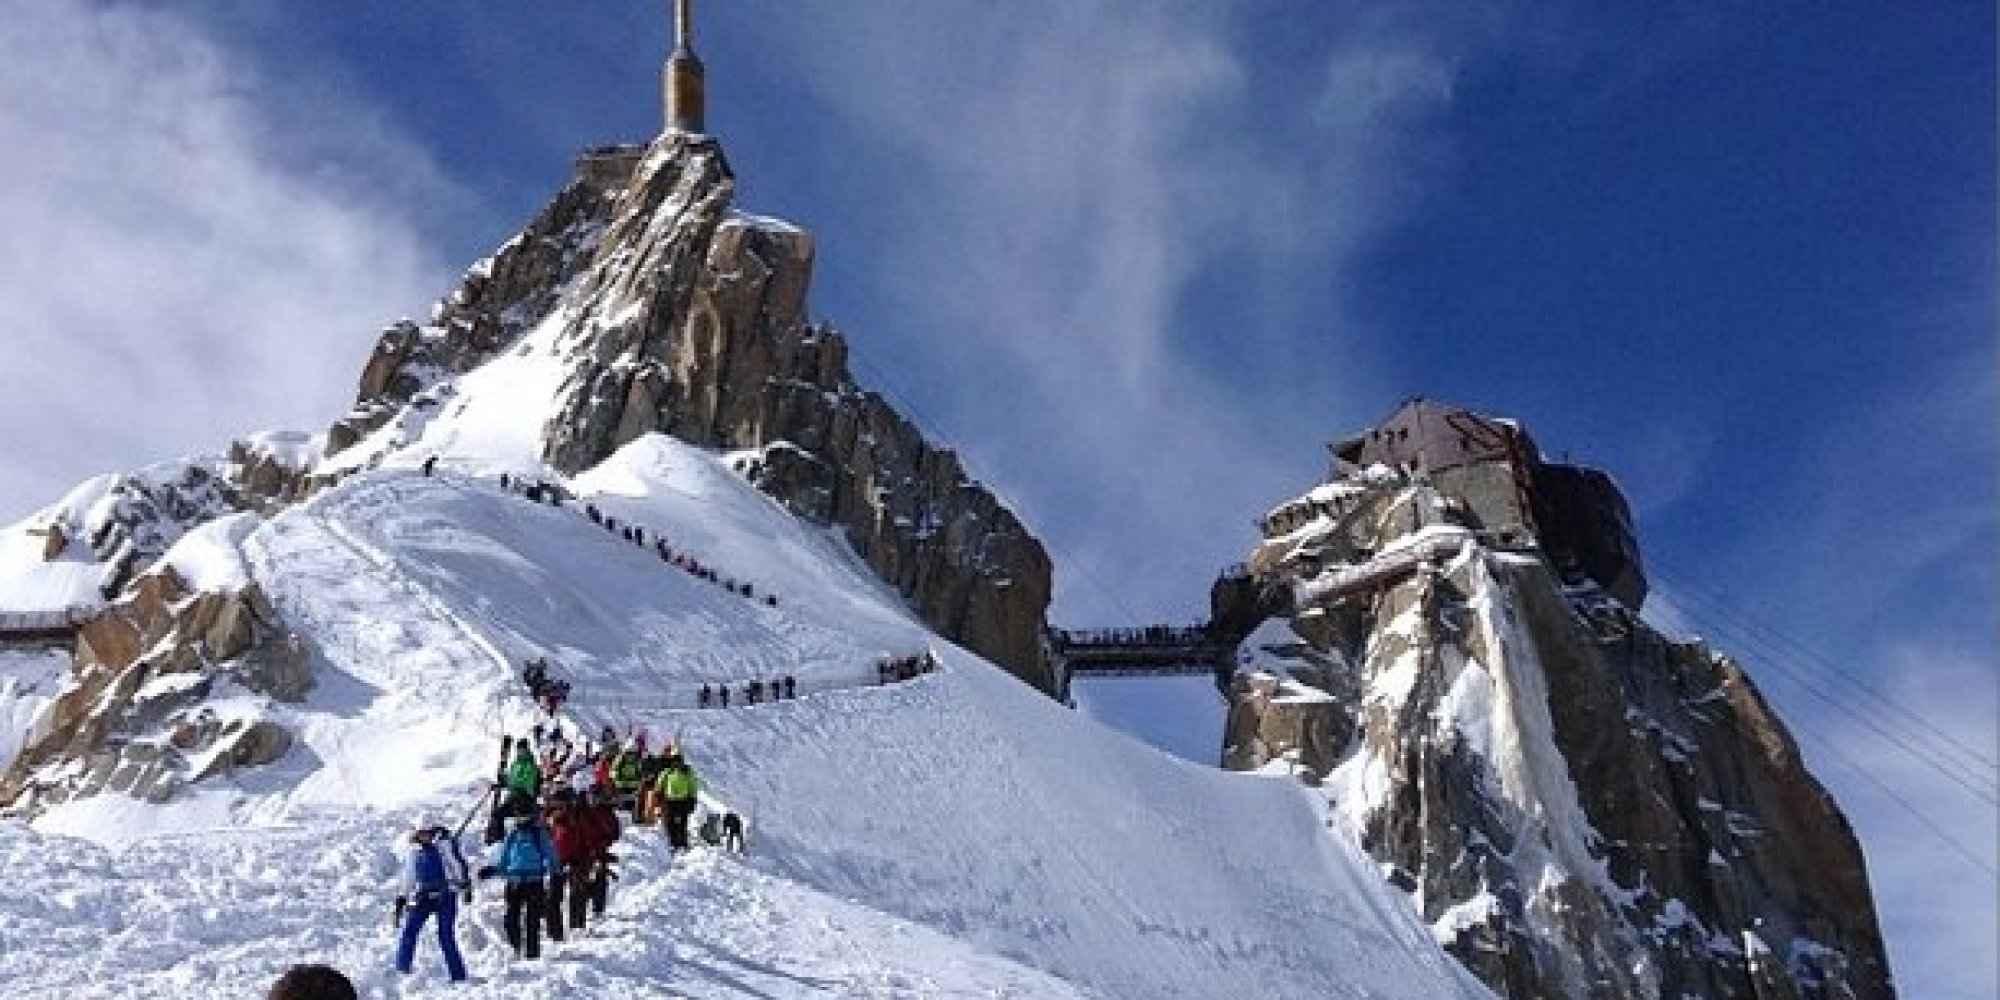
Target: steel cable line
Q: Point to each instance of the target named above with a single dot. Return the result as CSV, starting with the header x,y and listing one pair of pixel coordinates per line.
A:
x,y
1832,749
1905,804
1725,607
1781,661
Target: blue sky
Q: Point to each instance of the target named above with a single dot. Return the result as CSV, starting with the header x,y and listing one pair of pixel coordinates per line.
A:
x,y
1138,262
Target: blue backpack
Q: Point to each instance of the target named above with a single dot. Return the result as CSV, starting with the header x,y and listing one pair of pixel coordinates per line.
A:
x,y
527,853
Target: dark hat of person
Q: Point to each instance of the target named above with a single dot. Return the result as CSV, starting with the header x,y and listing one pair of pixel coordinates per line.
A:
x,y
312,982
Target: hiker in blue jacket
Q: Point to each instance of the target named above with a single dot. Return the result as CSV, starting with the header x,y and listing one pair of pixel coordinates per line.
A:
x,y
433,878
525,859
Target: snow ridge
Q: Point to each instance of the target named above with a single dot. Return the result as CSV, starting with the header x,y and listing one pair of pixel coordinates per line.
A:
x,y
957,834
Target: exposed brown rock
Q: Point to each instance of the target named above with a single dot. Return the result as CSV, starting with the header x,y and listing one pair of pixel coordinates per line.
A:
x,y
689,320
1707,841
269,481
54,541
134,717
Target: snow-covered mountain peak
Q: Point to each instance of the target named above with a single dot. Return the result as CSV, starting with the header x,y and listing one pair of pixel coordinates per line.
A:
x,y
954,834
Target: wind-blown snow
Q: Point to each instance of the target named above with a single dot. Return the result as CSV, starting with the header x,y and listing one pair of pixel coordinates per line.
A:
x,y
957,834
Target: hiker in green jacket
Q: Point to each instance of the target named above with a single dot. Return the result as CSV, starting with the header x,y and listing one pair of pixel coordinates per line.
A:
x,y
524,775
627,776
677,787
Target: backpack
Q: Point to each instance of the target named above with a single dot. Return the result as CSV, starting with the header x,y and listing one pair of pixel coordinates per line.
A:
x,y
625,770
678,784
432,873
528,854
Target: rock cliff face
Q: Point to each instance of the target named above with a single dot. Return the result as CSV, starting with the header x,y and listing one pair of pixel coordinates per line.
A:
x,y
137,715
496,301
1581,806
685,316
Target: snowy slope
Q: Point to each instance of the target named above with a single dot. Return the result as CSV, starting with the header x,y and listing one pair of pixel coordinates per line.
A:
x,y
33,590
953,835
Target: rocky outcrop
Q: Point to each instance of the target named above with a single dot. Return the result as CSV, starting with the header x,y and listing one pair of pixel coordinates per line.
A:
x,y
496,301
136,517
685,316
1580,806
273,471
136,716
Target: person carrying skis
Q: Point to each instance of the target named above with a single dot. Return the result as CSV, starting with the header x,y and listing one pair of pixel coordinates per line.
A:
x,y
627,773
677,787
525,859
433,879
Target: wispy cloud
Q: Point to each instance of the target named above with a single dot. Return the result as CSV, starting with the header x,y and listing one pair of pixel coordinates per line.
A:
x,y
182,261
1081,178
1940,907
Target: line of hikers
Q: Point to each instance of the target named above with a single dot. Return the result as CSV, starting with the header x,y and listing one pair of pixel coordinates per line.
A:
x,y
755,692
556,496
636,534
890,669
546,856
553,820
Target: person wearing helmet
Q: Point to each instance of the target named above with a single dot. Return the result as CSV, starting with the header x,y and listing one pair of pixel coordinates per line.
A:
x,y
433,877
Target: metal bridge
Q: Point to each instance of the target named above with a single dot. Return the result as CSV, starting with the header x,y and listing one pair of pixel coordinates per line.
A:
x,y
44,626
1145,651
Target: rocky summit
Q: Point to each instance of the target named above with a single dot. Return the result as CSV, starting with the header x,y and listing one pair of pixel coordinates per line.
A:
x,y
1580,805
680,314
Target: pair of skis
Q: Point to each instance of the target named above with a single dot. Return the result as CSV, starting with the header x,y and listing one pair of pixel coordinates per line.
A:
x,y
496,819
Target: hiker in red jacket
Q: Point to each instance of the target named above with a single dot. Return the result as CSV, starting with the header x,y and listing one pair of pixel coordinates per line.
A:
x,y
594,829
565,833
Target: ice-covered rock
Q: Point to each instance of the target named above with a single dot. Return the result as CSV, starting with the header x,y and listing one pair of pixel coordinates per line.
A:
x,y
1579,805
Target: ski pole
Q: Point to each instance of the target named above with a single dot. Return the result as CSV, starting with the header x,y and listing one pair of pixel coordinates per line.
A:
x,y
474,811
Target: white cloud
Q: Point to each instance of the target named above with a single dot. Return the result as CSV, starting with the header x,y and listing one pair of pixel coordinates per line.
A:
x,y
1940,909
187,255
1081,174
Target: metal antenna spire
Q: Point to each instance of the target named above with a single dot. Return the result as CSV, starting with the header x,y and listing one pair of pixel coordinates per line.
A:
x,y
684,83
